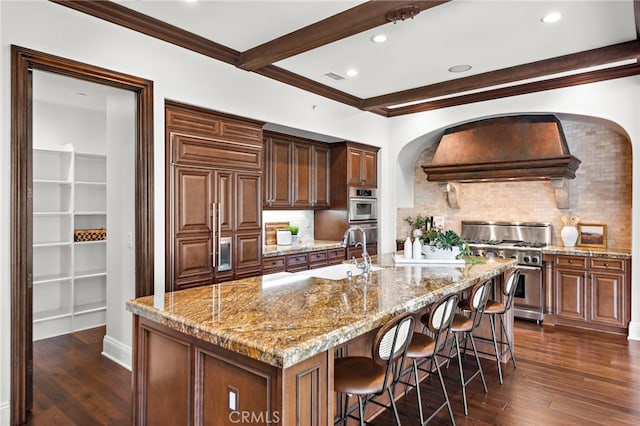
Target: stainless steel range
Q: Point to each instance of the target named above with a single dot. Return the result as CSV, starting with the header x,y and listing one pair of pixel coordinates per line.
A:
x,y
517,240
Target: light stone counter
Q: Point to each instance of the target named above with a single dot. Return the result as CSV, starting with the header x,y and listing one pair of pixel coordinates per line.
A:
x,y
285,323
315,245
609,253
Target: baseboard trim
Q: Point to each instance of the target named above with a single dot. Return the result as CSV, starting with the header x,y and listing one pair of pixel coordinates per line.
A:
x,y
634,331
5,413
117,351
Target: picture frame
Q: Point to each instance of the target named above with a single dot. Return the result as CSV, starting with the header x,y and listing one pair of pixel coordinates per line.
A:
x,y
592,235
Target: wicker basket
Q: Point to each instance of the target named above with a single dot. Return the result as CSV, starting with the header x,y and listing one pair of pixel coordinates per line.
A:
x,y
98,234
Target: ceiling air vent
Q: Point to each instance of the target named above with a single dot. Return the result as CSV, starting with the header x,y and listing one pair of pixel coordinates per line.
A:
x,y
334,76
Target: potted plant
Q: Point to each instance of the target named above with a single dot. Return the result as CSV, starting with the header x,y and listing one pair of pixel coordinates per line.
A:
x,y
294,233
416,224
440,244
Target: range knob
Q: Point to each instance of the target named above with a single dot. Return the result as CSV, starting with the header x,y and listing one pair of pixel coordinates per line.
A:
x,y
535,259
526,259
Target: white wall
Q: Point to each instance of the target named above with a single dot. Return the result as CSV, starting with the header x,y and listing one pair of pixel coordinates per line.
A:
x,y
121,133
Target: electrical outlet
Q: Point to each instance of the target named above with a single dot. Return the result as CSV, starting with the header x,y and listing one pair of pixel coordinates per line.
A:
x,y
233,399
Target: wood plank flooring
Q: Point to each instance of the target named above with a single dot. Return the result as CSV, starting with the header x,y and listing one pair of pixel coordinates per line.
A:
x,y
564,377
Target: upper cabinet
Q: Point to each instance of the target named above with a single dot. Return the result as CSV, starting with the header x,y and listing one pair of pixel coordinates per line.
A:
x,y
296,172
362,166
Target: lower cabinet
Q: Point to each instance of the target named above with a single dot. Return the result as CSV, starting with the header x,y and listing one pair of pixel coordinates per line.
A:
x,y
303,261
592,292
181,380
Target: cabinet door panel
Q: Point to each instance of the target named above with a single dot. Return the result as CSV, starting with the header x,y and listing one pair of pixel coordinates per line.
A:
x,y
225,196
570,295
369,169
193,196
302,175
193,232
321,180
280,173
216,153
248,250
193,264
248,201
354,167
607,299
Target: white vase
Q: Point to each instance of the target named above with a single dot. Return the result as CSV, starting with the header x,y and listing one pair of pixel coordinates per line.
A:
x,y
569,235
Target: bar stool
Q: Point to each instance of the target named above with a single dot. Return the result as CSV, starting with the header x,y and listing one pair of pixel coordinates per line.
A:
x,y
499,309
426,348
463,325
368,378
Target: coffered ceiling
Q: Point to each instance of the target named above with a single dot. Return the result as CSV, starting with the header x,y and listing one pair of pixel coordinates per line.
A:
x,y
313,44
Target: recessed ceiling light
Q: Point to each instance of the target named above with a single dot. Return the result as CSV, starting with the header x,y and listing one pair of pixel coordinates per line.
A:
x,y
551,17
352,72
81,94
460,68
379,38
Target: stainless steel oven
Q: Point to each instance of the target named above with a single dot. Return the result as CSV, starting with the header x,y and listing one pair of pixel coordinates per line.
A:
x,y
363,204
370,229
528,300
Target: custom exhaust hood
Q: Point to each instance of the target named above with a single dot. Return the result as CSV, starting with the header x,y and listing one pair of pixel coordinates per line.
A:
x,y
520,147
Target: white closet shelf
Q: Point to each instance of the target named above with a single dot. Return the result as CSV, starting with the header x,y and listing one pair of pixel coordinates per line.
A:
x,y
90,213
52,244
89,273
86,243
89,307
89,183
67,213
43,279
51,182
50,314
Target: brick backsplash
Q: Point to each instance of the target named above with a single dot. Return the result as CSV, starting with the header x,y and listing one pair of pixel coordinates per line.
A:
x,y
600,193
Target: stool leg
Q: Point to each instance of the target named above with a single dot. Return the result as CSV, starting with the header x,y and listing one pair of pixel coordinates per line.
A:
x,y
361,410
475,351
492,320
346,409
393,405
415,370
464,392
444,392
509,345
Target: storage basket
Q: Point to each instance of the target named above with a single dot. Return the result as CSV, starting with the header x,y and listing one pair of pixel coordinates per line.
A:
x,y
97,234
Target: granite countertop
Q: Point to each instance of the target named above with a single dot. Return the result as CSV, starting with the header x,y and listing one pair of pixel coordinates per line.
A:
x,y
304,247
282,322
610,253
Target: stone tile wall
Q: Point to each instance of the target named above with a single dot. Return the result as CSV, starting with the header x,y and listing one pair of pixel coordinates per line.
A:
x,y
300,218
600,193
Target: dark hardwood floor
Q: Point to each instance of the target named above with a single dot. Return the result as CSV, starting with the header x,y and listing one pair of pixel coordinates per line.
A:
x,y
564,377
73,384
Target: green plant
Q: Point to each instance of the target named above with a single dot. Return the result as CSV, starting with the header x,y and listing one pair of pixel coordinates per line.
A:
x,y
293,229
417,223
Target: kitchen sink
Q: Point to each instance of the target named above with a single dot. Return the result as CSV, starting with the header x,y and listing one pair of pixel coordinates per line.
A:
x,y
336,272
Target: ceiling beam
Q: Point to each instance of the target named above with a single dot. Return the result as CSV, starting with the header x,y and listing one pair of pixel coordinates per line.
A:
x,y
360,18
588,58
520,89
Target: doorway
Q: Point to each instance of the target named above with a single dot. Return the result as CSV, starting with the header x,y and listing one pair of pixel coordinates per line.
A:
x,y
24,62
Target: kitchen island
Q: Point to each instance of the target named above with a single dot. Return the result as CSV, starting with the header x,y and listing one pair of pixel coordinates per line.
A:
x,y
263,347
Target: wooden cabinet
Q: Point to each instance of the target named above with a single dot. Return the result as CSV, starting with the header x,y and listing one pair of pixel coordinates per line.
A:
x,y
302,261
271,265
362,166
592,292
297,262
214,193
296,173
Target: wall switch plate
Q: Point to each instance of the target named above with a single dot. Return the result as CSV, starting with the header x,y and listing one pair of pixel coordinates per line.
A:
x,y
233,399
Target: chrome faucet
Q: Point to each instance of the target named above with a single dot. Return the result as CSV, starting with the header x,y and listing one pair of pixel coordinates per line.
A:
x,y
365,265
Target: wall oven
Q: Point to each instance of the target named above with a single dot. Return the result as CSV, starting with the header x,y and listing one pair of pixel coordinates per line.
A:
x,y
363,204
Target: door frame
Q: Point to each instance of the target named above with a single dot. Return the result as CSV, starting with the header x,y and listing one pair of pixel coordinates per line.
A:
x,y
24,60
